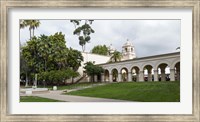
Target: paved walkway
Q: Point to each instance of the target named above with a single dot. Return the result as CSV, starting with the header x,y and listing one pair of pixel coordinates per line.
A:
x,y
72,98
57,95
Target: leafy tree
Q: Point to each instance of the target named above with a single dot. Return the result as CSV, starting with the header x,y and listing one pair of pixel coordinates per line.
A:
x,y
59,51
100,49
116,56
24,69
74,59
93,70
83,31
56,76
44,49
30,55
49,57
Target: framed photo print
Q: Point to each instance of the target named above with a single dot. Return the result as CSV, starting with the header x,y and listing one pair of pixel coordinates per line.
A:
x,y
100,60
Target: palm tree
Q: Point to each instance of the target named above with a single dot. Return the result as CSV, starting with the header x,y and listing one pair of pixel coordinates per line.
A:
x,y
25,23
116,56
32,24
22,24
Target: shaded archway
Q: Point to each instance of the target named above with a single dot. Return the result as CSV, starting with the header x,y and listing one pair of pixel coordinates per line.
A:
x,y
106,75
114,75
135,73
177,71
163,75
148,73
124,73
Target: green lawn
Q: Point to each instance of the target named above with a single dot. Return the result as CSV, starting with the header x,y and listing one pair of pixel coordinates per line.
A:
x,y
135,91
36,99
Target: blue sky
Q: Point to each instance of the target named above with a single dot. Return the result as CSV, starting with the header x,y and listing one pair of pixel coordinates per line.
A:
x,y
150,37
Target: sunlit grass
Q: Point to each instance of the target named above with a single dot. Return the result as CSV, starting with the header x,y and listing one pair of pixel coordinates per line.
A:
x,y
135,91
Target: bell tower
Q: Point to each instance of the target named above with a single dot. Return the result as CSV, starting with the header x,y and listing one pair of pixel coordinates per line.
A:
x,y
128,51
111,49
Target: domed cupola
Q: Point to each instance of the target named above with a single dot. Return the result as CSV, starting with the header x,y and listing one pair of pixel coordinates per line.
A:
x,y
128,51
111,49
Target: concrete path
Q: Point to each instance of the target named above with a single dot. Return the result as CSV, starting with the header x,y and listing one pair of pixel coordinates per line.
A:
x,y
72,98
57,95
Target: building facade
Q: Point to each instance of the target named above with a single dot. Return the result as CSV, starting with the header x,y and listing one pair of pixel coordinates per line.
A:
x,y
131,68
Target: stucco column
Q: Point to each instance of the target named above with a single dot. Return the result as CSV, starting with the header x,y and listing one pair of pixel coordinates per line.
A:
x,y
129,76
155,75
95,78
119,77
137,77
110,78
141,76
102,77
149,75
172,76
162,74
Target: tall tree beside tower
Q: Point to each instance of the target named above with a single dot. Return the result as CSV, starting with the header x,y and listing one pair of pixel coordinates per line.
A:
x,y
116,56
83,31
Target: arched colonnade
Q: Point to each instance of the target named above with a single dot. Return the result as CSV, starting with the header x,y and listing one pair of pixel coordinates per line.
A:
x,y
155,68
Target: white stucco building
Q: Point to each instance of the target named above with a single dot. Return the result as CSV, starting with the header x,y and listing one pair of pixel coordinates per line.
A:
x,y
131,68
97,59
134,69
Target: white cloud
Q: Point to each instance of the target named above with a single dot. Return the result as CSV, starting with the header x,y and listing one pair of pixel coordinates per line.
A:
x,y
150,37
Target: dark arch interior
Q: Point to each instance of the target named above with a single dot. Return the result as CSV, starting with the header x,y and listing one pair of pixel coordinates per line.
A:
x,y
124,72
115,75
135,73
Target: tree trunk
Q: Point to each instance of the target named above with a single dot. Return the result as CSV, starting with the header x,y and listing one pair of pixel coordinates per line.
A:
x,y
26,80
45,67
93,78
30,33
83,49
33,32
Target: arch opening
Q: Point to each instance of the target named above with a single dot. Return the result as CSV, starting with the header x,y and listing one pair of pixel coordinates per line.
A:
x,y
106,75
135,73
114,75
124,73
163,72
148,73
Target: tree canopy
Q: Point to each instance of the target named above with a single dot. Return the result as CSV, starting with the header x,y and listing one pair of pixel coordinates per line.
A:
x,y
74,59
92,69
49,53
83,31
100,49
116,56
